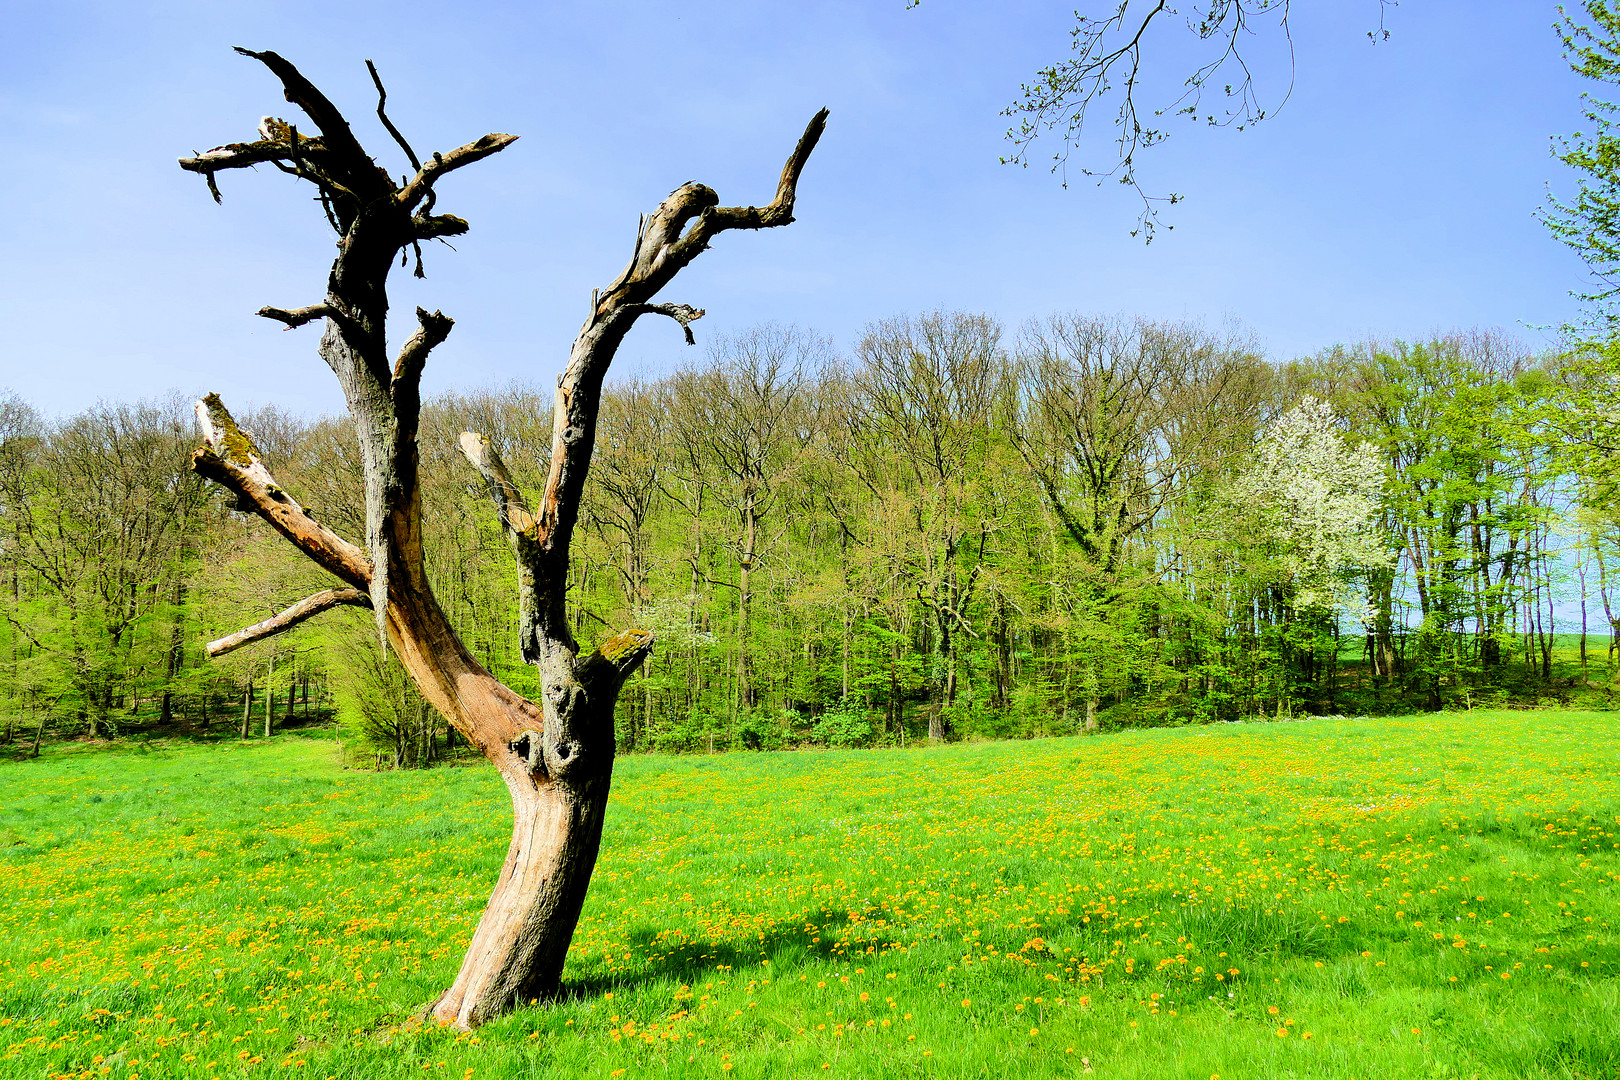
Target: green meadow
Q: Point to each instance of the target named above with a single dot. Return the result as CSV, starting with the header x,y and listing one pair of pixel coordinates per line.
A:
x,y
1428,896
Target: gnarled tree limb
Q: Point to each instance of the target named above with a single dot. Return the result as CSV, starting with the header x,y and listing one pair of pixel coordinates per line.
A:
x,y
520,526
351,166
382,114
615,660
306,608
247,155
664,246
298,316
431,330
685,314
230,459
415,191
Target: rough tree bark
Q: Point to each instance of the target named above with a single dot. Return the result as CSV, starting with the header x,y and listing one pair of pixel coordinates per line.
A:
x,y
556,754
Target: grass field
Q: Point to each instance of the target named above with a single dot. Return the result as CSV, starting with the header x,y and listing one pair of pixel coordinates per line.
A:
x,y
1419,897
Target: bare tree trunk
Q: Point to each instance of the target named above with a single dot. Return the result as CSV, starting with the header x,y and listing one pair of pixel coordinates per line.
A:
x,y
646,713
1608,611
745,601
847,643
39,733
1545,637
1581,571
247,704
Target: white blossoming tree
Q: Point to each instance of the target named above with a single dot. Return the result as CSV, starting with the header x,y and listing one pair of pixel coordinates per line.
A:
x,y
1315,498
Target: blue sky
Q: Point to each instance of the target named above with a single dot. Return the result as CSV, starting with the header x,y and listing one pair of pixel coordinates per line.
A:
x,y
1394,195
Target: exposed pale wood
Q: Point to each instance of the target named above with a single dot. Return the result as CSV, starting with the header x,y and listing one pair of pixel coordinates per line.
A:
x,y
462,156
304,610
230,459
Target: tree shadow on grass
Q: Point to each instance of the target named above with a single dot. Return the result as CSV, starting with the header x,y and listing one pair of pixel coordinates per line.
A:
x,y
787,945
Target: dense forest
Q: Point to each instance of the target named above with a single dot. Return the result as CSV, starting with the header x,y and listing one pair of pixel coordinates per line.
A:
x,y
949,532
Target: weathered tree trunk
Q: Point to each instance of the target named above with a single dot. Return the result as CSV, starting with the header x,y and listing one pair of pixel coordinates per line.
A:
x,y
555,755
247,704
518,949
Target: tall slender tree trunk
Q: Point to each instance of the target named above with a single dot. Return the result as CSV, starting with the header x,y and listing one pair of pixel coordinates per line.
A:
x,y
1551,626
745,601
1581,570
937,727
1608,611
897,716
39,733
847,643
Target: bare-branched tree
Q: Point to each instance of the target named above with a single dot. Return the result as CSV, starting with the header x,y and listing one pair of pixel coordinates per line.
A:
x,y
555,754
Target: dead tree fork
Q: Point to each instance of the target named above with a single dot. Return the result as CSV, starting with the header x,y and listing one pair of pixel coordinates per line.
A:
x,y
555,754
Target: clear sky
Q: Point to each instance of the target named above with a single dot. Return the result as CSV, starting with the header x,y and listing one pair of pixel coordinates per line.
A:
x,y
1394,195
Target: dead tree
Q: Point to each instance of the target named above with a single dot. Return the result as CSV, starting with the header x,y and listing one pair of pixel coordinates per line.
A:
x,y
555,754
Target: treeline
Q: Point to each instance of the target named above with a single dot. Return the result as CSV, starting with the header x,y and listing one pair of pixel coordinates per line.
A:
x,y
945,533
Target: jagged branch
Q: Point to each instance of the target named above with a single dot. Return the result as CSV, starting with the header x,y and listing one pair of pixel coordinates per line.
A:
x,y
351,166
685,314
280,152
510,506
521,529
302,611
382,114
440,164
230,459
666,241
431,330
298,316
665,244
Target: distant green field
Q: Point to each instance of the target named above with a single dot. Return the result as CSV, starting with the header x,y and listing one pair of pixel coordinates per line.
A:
x,y
1417,897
